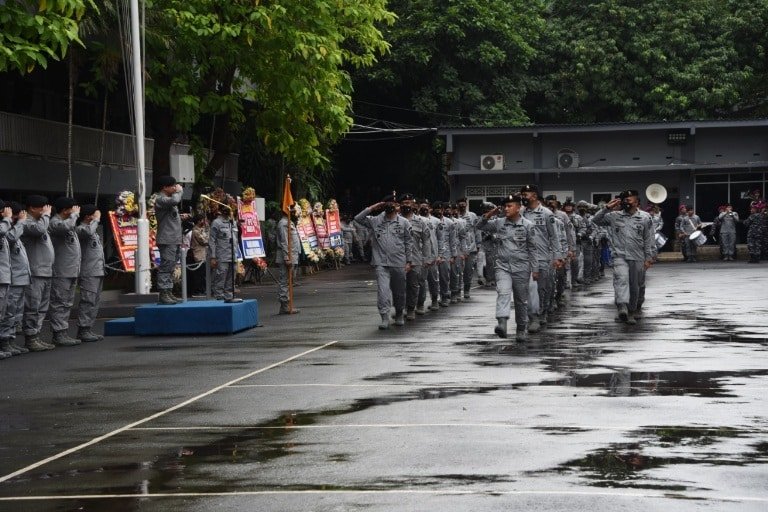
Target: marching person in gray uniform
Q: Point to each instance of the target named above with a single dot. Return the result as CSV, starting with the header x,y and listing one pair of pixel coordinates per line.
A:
x,y
580,232
444,254
550,254
457,269
429,254
392,255
286,260
433,269
6,224
515,260
631,234
471,219
91,272
728,220
169,236
20,277
561,274
222,235
39,248
485,272
421,252
66,269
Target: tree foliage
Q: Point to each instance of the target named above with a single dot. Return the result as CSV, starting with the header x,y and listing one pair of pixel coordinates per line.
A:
x,y
280,62
32,32
621,60
465,59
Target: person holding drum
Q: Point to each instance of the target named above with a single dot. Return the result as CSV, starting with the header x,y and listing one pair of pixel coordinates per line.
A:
x,y
690,224
632,241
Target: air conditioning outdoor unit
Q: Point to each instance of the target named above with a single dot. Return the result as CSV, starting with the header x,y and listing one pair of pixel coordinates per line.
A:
x,y
567,159
492,162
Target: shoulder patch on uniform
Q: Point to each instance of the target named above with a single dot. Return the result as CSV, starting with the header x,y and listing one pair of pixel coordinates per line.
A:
x,y
551,220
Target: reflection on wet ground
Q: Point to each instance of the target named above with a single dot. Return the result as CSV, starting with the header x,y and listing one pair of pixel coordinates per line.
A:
x,y
670,406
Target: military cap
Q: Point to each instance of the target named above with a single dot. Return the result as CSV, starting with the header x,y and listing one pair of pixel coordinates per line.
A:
x,y
16,207
529,188
513,199
87,209
37,201
63,203
166,181
629,193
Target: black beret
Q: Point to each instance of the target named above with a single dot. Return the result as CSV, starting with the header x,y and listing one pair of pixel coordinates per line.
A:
x,y
405,196
166,181
513,199
388,198
461,200
529,188
87,209
63,203
37,201
551,197
438,205
629,193
16,207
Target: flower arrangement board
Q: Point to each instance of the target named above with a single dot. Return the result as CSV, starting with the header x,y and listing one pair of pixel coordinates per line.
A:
x,y
250,230
125,230
307,235
333,222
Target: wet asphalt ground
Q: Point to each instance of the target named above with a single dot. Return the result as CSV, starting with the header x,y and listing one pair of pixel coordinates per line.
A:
x,y
321,411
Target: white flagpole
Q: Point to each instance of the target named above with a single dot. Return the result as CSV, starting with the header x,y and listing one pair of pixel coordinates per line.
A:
x,y
143,278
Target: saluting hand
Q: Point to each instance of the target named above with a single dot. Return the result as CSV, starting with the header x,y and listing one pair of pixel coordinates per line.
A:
x,y
97,215
613,203
7,212
23,215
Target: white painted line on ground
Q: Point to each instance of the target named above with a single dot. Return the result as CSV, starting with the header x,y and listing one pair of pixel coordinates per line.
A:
x,y
384,492
98,439
553,428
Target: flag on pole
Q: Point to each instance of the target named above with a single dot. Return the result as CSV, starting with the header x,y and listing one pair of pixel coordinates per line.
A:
x,y
287,196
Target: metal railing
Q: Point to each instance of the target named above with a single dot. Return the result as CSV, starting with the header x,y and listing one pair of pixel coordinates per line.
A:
x,y
48,139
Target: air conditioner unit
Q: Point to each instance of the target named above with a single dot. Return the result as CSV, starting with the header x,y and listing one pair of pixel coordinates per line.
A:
x,y
567,159
492,162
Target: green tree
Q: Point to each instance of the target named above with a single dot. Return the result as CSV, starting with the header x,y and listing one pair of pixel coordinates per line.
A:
x,y
282,63
32,32
620,60
457,61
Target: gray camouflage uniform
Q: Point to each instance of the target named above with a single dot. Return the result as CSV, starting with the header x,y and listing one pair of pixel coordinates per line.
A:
x,y
220,241
20,279
168,237
282,256
515,260
548,246
447,252
392,249
433,271
421,255
728,222
469,263
5,264
37,295
632,244
91,273
66,269
457,269
580,232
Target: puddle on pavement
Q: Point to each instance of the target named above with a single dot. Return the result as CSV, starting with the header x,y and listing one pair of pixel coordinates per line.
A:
x,y
627,383
631,464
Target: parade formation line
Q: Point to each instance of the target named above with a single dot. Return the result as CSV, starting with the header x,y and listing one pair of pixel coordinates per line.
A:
x,y
176,407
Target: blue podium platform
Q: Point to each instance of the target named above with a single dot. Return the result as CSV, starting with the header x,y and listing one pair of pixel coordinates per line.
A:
x,y
191,317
